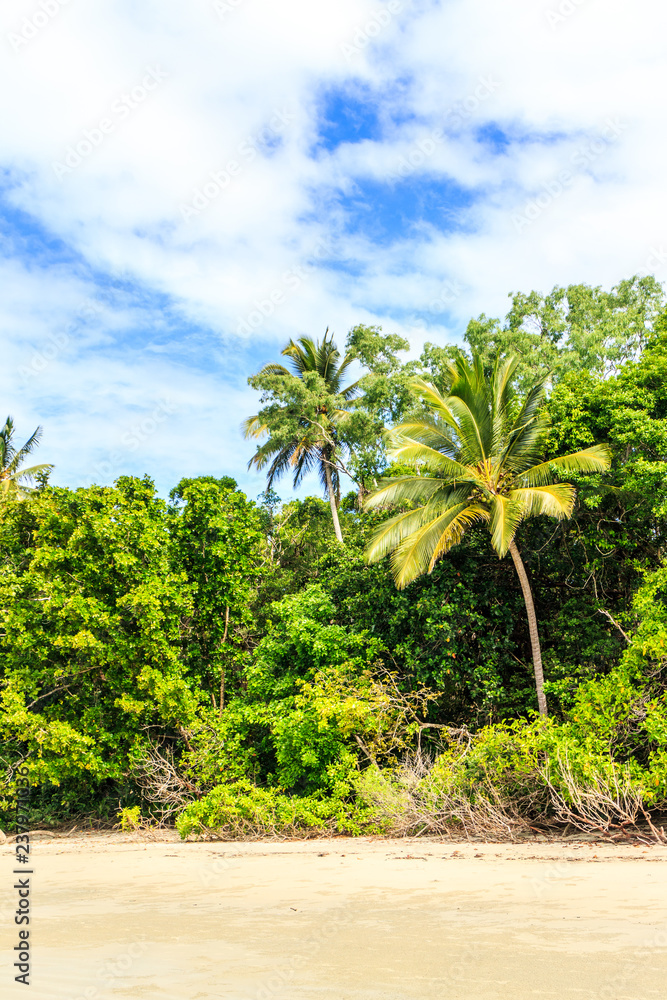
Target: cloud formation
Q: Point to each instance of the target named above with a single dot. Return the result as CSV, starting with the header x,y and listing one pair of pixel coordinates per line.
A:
x,y
186,186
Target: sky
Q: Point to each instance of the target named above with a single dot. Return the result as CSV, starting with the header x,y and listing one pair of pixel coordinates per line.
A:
x,y
185,186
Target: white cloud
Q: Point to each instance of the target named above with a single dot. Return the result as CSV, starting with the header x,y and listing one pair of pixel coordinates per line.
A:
x,y
235,91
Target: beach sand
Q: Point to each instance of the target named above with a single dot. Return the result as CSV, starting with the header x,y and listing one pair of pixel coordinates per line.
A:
x,y
118,915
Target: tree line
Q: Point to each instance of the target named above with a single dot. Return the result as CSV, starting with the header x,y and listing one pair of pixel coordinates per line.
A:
x,y
259,665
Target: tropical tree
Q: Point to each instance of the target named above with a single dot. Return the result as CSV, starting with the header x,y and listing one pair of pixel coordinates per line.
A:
x,y
14,477
217,543
302,421
476,453
574,329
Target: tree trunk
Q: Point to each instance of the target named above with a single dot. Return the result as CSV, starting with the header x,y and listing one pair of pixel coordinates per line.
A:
x,y
222,669
332,501
532,627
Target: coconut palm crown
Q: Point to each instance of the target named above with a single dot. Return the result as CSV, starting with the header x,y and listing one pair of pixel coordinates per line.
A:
x,y
302,435
477,455
14,477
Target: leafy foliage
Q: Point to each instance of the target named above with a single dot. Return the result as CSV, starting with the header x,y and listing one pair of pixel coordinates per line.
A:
x,y
573,329
89,631
217,544
229,664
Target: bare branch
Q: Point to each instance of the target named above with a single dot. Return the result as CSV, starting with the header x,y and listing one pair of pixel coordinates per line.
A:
x,y
627,638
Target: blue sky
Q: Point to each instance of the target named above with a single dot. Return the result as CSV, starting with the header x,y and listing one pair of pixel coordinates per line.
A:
x,y
166,170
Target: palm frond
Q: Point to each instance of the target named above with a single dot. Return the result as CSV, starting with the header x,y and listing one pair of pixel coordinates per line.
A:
x,y
418,553
301,358
501,384
506,515
392,532
286,458
28,472
594,459
338,416
502,395
265,451
401,489
351,391
473,436
272,368
14,478
415,453
471,400
254,427
556,500
430,431
327,359
470,514
342,368
527,433
27,448
435,400
7,451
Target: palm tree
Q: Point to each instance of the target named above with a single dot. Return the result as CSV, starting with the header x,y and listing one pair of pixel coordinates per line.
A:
x,y
476,454
310,439
13,477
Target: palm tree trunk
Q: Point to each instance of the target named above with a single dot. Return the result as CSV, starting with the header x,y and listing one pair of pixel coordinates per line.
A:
x,y
332,501
532,627
222,669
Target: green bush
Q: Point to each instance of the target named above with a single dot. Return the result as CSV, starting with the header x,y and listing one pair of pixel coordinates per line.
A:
x,y
242,810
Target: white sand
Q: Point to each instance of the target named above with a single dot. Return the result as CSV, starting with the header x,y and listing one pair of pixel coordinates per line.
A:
x,y
122,916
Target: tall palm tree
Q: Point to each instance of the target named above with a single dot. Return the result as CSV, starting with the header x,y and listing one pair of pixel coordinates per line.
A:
x,y
312,439
14,478
476,454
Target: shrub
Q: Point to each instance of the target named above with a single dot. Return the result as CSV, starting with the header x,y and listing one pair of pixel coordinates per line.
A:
x,y
509,780
242,810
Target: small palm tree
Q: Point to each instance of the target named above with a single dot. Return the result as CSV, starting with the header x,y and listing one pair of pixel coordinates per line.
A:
x,y
304,435
14,478
476,455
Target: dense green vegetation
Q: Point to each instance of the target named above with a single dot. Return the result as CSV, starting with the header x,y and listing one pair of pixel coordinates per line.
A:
x,y
240,666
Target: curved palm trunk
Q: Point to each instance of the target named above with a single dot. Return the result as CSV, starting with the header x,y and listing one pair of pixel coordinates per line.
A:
x,y
532,627
222,669
332,501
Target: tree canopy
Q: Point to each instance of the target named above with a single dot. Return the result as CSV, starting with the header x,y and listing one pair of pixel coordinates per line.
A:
x,y
223,662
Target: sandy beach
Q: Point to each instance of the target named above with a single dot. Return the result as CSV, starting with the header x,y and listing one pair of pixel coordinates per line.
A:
x,y
123,916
